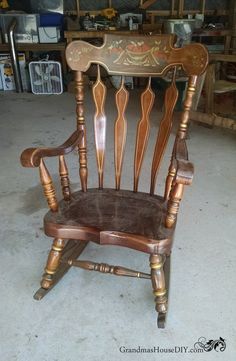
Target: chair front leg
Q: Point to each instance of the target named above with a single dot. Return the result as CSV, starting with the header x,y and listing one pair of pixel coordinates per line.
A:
x,y
159,288
52,262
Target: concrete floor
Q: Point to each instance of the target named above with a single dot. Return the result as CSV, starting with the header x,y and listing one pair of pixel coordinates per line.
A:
x,y
89,316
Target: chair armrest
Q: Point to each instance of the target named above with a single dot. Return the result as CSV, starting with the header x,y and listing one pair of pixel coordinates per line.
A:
x,y
184,172
180,174
31,157
184,168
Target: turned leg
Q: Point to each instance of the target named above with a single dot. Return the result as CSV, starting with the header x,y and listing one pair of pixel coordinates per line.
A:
x,y
52,262
159,287
57,264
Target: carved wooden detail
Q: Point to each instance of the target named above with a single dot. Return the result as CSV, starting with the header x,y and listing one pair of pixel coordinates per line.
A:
x,y
48,187
99,95
72,250
180,169
122,96
171,97
173,204
137,55
52,262
147,100
106,268
158,282
83,170
187,106
169,179
65,182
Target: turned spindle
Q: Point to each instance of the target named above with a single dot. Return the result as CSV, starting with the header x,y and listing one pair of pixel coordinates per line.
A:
x,y
169,180
182,132
158,282
173,204
65,182
83,170
106,268
48,187
52,262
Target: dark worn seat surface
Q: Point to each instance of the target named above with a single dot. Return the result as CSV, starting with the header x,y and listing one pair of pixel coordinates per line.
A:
x,y
95,211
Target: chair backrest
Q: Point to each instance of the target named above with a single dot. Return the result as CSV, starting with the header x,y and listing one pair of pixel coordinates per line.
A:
x,y
141,56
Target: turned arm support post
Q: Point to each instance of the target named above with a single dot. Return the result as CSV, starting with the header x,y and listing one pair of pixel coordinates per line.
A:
x,y
158,281
65,181
48,188
33,157
180,174
180,170
79,96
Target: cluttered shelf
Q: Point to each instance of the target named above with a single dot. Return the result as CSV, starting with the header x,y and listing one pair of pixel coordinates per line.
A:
x,y
39,47
41,35
201,36
35,46
90,34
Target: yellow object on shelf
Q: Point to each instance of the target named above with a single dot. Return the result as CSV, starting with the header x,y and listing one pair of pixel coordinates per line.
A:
x,y
109,13
4,4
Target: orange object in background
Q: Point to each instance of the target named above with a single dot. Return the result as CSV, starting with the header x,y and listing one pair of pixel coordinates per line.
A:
x,y
109,13
4,4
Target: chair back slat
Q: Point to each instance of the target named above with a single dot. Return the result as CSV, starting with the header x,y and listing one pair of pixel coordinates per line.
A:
x,y
99,95
122,97
171,96
184,119
147,100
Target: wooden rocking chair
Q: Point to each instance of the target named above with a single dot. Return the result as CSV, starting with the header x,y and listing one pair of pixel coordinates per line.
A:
x,y
108,216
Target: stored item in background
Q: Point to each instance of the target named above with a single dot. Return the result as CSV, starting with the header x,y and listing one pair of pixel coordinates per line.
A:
x,y
45,6
136,18
14,57
46,77
49,34
183,28
6,72
26,29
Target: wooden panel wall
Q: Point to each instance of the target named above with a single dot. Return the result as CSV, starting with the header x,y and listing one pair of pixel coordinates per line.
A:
x,y
167,8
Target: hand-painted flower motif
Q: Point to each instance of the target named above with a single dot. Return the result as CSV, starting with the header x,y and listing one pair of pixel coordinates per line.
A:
x,y
138,53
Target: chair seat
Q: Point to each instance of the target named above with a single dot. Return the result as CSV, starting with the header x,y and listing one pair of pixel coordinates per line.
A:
x,y
107,216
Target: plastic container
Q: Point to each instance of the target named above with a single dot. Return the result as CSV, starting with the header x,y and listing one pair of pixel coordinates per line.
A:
x,y
26,29
51,19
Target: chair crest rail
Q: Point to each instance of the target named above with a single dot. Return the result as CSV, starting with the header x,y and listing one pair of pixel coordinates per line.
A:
x,y
137,55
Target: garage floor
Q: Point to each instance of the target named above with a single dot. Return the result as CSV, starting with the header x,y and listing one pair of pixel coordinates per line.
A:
x,y
94,317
